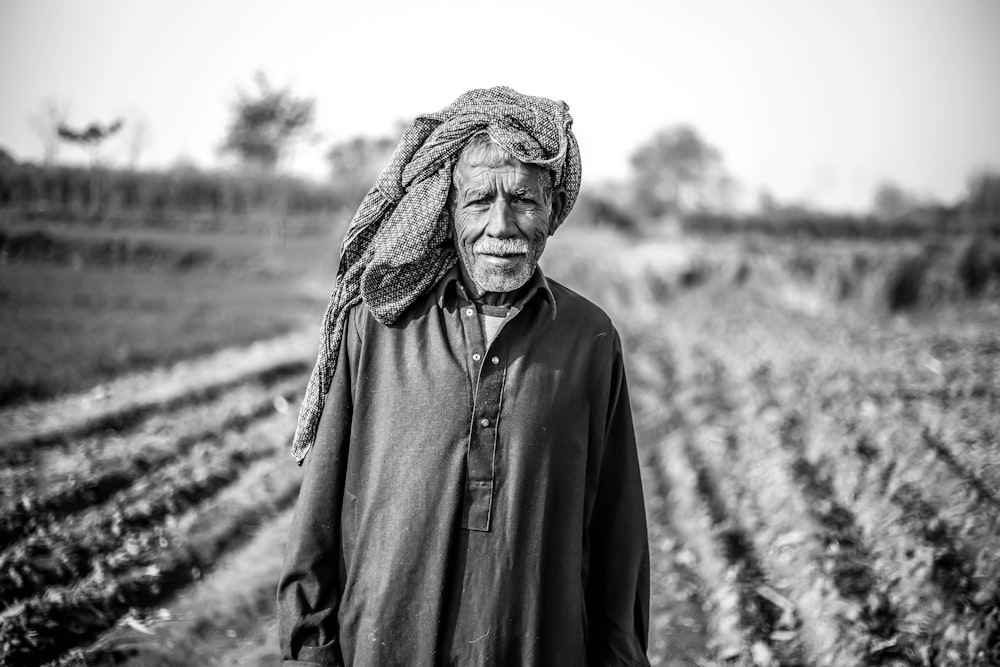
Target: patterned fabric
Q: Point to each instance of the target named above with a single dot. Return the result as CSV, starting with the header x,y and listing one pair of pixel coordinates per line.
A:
x,y
397,247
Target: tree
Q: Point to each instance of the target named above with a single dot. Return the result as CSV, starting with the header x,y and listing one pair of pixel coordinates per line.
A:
x,y
46,125
983,198
766,203
91,140
891,202
266,124
674,171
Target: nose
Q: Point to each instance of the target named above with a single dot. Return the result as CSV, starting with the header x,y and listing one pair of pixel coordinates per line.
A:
x,y
501,222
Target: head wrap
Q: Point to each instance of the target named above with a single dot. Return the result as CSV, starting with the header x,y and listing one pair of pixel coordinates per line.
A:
x,y
397,247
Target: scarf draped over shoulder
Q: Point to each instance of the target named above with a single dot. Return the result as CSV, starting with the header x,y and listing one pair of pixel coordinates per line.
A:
x,y
397,247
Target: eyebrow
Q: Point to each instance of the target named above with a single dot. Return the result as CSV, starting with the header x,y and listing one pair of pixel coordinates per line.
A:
x,y
477,193
473,193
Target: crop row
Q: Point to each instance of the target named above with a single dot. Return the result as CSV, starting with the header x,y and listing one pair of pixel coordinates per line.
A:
x,y
34,428
750,620
678,610
82,543
846,486
868,566
93,473
936,531
149,564
861,462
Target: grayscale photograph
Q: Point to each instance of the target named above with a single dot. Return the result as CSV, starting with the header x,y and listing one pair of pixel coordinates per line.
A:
x,y
500,334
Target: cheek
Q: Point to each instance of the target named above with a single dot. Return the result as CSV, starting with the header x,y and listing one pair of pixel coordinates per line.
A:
x,y
536,225
468,226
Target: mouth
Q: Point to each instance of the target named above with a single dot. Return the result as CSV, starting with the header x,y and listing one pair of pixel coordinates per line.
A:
x,y
502,253
502,258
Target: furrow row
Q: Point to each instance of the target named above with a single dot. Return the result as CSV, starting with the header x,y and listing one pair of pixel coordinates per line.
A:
x,y
893,555
79,544
48,625
22,438
118,465
692,519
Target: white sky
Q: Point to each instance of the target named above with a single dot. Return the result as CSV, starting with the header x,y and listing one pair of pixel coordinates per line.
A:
x,y
817,101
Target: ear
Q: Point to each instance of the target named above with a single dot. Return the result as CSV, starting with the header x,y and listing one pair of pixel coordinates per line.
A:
x,y
557,207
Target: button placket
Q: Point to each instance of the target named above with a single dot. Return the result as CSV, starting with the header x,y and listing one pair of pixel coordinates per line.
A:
x,y
488,382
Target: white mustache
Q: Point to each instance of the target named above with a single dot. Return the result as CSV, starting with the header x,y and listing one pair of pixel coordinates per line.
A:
x,y
500,247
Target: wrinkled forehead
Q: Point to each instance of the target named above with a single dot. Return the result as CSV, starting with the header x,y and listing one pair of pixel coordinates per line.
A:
x,y
482,161
513,176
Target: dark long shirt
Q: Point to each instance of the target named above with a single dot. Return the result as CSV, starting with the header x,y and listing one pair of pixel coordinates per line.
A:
x,y
472,505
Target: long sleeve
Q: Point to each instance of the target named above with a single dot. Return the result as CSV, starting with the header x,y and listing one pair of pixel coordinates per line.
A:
x,y
618,572
311,582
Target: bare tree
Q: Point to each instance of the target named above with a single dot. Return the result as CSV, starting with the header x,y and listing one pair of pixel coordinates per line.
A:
x,y
91,139
138,136
45,124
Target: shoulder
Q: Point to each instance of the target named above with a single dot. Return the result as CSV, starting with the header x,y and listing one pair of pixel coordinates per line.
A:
x,y
357,316
577,310
358,320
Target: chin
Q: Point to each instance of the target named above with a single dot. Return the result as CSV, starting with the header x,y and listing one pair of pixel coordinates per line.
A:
x,y
493,280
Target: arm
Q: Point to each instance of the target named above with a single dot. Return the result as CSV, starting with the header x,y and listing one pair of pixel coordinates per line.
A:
x,y
311,581
618,572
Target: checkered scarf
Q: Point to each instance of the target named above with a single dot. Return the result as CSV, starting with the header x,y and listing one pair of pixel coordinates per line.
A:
x,y
397,245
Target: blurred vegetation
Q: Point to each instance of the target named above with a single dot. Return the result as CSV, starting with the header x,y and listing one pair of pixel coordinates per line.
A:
x,y
678,183
45,124
84,304
674,172
930,220
355,164
266,125
158,198
91,139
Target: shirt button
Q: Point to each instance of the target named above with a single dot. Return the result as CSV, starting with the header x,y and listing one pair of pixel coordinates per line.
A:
x,y
484,422
476,357
468,312
495,360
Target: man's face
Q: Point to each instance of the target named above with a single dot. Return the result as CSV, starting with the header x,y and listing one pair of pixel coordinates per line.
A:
x,y
502,220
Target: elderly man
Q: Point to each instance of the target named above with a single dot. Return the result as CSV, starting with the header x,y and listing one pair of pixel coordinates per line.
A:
x,y
472,494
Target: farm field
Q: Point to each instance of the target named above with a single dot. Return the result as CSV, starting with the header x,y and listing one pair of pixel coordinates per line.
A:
x,y
820,472
81,305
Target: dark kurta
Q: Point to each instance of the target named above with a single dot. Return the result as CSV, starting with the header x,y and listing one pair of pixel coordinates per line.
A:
x,y
472,506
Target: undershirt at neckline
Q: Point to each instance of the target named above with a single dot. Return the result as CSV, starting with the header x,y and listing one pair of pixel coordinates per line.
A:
x,y
491,318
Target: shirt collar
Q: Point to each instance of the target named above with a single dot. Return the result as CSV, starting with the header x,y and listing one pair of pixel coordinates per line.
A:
x,y
538,286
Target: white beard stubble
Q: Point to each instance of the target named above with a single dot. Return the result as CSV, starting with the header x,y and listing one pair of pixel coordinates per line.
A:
x,y
490,277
